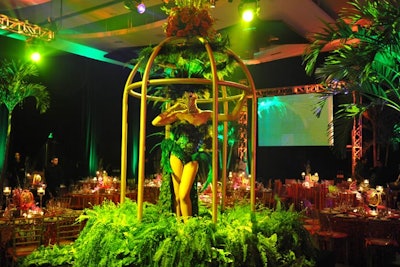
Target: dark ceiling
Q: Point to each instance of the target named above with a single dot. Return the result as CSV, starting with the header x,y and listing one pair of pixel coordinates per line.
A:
x,y
283,28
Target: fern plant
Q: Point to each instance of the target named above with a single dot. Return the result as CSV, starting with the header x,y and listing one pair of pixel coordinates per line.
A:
x,y
114,237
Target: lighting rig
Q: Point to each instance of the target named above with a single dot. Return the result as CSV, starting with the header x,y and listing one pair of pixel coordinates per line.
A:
x,y
25,28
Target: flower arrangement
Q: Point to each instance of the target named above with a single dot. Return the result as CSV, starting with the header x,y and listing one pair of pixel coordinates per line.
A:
x,y
23,203
189,21
23,199
189,18
103,181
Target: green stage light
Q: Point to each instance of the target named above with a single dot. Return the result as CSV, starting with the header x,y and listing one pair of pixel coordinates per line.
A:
x,y
34,48
248,9
248,15
35,56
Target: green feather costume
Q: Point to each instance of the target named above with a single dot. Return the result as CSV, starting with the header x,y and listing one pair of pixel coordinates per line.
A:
x,y
188,143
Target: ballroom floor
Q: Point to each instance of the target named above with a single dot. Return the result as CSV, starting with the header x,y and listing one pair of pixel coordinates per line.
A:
x,y
328,259
395,263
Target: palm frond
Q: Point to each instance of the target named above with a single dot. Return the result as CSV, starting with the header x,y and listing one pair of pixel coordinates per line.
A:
x,y
365,59
16,85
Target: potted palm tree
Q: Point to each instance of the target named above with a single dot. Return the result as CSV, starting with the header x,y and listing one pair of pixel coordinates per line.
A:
x,y
363,60
15,86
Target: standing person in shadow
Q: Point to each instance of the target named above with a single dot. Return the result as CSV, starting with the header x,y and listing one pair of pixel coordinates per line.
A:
x,y
54,177
17,172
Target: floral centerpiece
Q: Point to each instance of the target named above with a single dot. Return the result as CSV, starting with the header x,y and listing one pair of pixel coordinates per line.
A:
x,y
23,199
23,203
103,181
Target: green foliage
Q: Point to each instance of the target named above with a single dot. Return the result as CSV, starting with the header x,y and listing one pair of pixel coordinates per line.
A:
x,y
365,60
186,59
396,135
113,236
16,85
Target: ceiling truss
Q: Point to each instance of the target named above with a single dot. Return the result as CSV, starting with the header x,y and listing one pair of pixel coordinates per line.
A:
x,y
25,28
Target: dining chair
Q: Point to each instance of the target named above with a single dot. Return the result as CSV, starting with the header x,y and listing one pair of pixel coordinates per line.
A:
x,y
27,234
268,198
311,221
277,188
5,237
279,192
63,202
293,197
68,229
333,240
90,200
380,242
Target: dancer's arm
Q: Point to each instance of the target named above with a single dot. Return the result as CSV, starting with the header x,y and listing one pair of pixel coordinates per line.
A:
x,y
168,116
234,115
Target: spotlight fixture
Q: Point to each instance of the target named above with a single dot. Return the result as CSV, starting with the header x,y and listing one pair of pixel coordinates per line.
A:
x,y
248,9
135,4
141,8
35,56
34,48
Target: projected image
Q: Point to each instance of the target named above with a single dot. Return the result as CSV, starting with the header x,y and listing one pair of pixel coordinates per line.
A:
x,y
290,121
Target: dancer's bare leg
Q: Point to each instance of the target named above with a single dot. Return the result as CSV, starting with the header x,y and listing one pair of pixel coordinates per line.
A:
x,y
177,169
188,176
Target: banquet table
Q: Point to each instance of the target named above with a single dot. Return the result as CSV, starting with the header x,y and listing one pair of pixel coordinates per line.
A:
x,y
50,228
358,226
83,200
302,196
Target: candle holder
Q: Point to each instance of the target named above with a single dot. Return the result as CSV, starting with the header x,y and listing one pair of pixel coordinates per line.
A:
x,y
7,193
380,193
41,192
379,188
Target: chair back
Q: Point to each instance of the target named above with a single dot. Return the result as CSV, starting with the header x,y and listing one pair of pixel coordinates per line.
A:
x,y
68,229
63,202
277,187
326,223
378,233
27,236
290,181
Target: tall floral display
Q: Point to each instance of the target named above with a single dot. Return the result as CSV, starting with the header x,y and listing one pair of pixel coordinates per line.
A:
x,y
188,29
